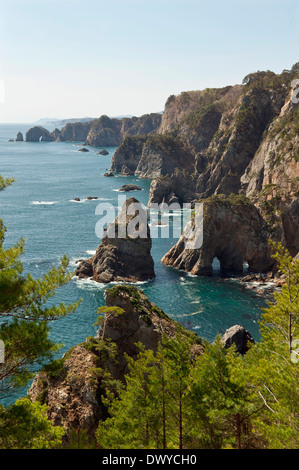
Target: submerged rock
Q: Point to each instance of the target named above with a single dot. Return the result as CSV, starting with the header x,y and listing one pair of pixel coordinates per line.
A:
x,y
122,256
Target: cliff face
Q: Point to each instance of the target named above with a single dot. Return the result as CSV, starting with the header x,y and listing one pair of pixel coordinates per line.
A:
x,y
73,386
73,132
276,161
107,132
234,139
122,257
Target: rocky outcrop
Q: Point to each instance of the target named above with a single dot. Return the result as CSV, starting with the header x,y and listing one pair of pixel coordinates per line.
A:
x,y
177,188
109,132
162,155
232,231
83,149
153,156
276,162
73,132
125,171
39,134
102,132
20,137
70,391
239,139
73,386
128,154
130,187
122,255
239,337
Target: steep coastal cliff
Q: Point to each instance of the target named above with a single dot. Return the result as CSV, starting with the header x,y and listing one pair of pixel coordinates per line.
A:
x,y
234,139
105,131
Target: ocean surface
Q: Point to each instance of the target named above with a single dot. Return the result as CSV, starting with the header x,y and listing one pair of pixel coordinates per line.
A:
x,y
40,207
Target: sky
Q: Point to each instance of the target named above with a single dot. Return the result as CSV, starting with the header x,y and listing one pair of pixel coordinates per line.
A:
x,y
84,58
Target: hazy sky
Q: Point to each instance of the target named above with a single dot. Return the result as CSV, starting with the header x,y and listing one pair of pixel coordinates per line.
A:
x,y
76,58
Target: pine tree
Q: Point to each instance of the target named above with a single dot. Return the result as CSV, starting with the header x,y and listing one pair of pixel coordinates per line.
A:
x,y
25,312
222,406
271,368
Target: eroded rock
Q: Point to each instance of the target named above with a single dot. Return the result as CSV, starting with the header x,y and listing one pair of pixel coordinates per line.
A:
x,y
121,257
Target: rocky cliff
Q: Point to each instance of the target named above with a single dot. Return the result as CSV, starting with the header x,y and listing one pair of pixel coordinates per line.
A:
x,y
234,140
229,140
39,134
102,132
122,256
73,386
233,231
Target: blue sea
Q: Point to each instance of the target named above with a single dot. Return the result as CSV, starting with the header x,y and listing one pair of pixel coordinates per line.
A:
x,y
40,207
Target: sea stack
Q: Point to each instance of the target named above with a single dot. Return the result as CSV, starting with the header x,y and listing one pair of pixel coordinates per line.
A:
x,y
125,250
232,231
19,137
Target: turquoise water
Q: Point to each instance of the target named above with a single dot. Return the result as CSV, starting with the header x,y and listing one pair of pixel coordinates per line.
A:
x,y
40,207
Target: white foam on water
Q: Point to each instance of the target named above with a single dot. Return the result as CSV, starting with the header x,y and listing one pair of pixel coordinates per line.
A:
x,y
91,252
44,203
89,284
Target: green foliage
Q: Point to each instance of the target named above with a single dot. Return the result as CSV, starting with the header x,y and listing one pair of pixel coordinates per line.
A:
x,y
168,144
55,369
169,100
79,439
228,200
25,311
24,425
283,313
148,413
221,399
4,182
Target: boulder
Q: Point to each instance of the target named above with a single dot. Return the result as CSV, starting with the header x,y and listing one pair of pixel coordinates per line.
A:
x,y
103,152
83,149
238,336
109,174
122,256
130,187
125,171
